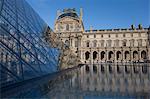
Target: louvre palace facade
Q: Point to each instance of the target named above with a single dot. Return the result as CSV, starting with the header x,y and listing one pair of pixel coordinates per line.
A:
x,y
105,45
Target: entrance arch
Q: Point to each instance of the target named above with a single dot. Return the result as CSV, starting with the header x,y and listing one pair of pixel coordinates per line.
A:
x,y
95,55
127,55
87,55
118,55
143,54
103,55
135,55
110,55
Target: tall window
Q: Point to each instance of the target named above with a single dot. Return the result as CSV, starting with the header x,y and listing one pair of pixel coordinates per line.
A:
x,y
76,43
132,42
117,43
124,42
102,43
108,43
87,44
95,43
67,27
140,42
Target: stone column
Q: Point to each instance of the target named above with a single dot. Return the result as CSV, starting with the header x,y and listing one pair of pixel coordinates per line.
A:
x,y
106,56
123,56
99,56
115,56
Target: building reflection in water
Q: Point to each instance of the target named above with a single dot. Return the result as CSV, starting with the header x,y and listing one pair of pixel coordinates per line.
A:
x,y
90,81
103,80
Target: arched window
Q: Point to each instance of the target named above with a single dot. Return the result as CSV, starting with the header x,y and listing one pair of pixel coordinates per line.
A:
x,y
143,54
118,55
102,55
110,55
95,55
127,55
135,55
87,55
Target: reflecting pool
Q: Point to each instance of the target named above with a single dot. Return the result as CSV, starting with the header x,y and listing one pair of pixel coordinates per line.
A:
x,y
94,81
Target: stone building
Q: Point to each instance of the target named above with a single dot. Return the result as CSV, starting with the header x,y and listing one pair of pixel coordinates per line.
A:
x,y
105,45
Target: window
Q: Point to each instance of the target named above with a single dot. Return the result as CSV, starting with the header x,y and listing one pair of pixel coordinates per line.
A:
x,y
95,43
102,43
94,36
109,35
102,35
140,42
76,43
124,43
109,43
116,43
67,27
88,44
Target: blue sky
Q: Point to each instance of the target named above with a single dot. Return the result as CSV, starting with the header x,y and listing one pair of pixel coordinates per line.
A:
x,y
100,14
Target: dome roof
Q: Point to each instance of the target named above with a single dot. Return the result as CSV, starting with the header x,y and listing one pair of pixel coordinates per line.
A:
x,y
68,12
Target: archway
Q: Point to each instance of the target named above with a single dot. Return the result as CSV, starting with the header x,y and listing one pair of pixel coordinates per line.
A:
x,y
135,55
102,55
127,55
87,55
110,55
143,54
94,55
118,55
